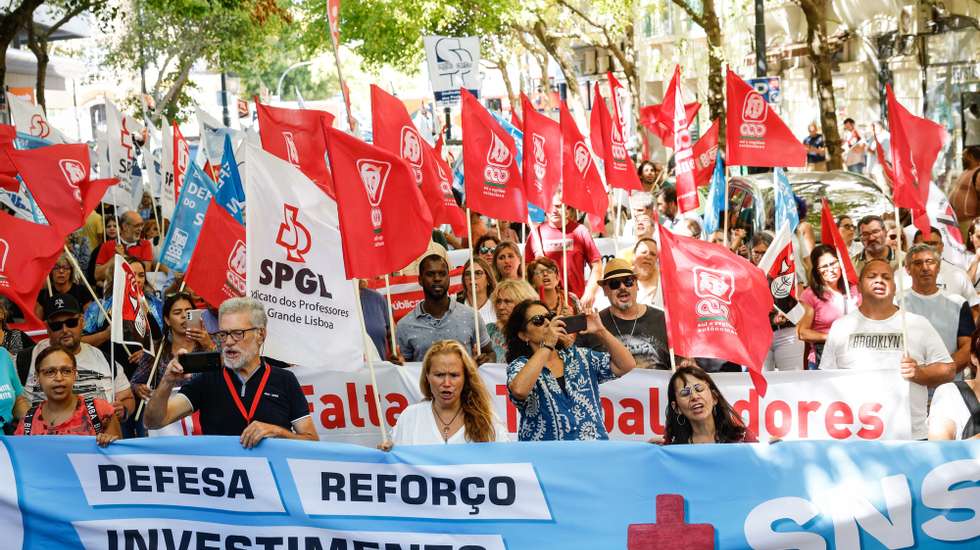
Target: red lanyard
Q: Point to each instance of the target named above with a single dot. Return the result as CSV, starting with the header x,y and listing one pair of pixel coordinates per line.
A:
x,y
255,399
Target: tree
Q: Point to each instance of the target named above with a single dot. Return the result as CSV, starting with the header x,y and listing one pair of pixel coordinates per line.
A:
x,y
11,21
171,36
707,18
820,52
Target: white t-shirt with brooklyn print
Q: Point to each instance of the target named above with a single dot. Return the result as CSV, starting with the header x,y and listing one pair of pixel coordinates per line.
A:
x,y
856,342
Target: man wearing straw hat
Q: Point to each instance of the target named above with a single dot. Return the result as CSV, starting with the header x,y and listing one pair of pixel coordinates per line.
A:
x,y
247,396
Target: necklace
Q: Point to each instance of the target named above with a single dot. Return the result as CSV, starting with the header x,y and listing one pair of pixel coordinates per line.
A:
x,y
446,425
616,325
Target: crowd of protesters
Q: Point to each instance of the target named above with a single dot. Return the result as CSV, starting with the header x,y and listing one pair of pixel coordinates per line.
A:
x,y
562,319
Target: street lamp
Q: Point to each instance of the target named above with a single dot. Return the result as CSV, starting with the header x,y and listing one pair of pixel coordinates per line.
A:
x,y
284,73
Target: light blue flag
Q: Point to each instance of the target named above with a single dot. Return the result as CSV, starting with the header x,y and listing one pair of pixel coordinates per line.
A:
x,y
716,197
231,195
188,218
26,141
786,210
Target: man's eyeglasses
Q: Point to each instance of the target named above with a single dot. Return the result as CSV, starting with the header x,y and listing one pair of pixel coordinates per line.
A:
x,y
616,283
540,320
686,390
51,372
55,326
236,335
541,271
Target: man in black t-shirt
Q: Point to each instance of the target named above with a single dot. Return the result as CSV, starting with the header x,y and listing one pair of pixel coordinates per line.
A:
x,y
246,397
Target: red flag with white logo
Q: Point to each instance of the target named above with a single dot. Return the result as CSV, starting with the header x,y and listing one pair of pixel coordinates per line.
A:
x,y
384,221
493,182
406,292
58,177
297,136
333,19
610,146
218,268
915,144
394,131
542,155
581,185
654,119
717,304
779,265
28,251
618,112
755,135
687,190
130,321
705,155
181,158
831,236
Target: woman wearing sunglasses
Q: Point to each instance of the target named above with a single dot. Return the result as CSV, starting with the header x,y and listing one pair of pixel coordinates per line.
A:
x,y
485,247
697,412
824,302
554,384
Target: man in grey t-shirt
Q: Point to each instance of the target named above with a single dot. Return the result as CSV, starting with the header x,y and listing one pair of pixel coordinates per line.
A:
x,y
437,317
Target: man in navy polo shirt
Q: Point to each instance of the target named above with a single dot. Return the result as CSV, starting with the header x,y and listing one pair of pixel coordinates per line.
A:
x,y
248,397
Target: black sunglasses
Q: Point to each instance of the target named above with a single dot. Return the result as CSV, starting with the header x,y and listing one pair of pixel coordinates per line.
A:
x,y
614,284
540,320
55,326
487,250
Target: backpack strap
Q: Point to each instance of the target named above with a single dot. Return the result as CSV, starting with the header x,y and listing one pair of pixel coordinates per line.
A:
x,y
29,419
972,427
93,415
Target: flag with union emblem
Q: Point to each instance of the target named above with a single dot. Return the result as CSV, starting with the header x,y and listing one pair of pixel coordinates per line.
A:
x,y
297,137
684,168
609,145
542,154
755,135
581,184
130,322
717,304
493,182
779,265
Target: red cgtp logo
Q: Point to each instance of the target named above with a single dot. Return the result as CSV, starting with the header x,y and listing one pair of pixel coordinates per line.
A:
x,y
670,532
582,157
74,173
411,148
237,267
715,289
498,161
293,236
754,113
540,159
374,176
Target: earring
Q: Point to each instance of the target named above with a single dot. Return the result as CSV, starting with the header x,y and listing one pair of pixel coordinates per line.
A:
x,y
681,419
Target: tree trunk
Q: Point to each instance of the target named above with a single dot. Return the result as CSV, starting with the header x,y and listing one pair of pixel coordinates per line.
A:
x,y
716,75
815,12
550,44
508,85
9,25
38,44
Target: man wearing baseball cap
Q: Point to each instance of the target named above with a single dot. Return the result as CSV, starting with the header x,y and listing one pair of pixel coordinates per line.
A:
x,y
641,329
94,377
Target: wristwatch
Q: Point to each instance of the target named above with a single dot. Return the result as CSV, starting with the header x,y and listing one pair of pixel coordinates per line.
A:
x,y
549,346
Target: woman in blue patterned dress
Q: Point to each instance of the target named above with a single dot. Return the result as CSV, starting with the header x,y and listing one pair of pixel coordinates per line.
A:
x,y
553,383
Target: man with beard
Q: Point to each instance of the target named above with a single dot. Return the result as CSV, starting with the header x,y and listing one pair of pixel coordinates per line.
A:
x,y
94,378
437,317
641,329
871,229
870,337
246,397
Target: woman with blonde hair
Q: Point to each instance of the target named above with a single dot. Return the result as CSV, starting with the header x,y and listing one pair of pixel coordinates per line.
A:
x,y
508,294
485,283
507,261
456,408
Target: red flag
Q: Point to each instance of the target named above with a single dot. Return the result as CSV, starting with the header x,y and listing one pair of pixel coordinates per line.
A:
x,y
915,143
515,120
297,136
831,236
542,155
755,135
654,119
717,304
619,168
130,323
493,182
182,157
705,155
8,172
394,131
447,210
28,251
218,267
333,20
684,167
581,185
384,222
619,117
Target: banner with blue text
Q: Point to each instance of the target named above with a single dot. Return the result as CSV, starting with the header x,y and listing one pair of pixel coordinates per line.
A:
x,y
209,493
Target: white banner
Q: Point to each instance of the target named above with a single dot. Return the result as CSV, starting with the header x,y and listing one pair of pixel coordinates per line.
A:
x,y
294,269
834,405
119,141
168,192
29,119
454,63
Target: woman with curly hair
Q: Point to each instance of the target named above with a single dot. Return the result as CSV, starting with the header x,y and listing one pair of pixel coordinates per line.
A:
x,y
456,408
697,412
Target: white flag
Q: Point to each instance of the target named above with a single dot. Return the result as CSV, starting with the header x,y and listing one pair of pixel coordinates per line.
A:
x,y
296,268
122,154
29,119
168,193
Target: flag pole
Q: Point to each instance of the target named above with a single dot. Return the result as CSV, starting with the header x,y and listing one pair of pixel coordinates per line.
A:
x,y
391,317
726,205
476,313
351,121
149,379
847,283
524,248
617,211
74,263
367,356
901,290
564,250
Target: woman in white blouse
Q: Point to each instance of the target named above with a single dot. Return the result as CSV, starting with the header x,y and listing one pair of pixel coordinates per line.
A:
x,y
457,406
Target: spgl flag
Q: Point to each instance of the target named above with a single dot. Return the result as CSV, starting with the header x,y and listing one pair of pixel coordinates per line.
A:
x,y
755,135
29,119
218,268
185,229
297,136
581,184
293,259
384,222
780,268
687,190
130,323
542,155
717,304
608,143
493,181
121,155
